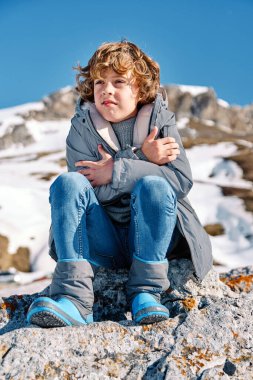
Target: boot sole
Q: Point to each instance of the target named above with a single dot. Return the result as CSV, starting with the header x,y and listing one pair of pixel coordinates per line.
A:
x,y
155,318
47,319
151,314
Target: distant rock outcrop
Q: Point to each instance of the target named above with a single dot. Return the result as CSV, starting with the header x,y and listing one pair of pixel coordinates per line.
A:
x,y
208,337
58,105
204,105
16,134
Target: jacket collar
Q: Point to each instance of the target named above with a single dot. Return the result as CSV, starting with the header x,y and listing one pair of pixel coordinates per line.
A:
x,y
145,121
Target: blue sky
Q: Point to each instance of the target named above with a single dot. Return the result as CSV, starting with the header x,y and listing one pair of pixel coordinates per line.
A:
x,y
196,42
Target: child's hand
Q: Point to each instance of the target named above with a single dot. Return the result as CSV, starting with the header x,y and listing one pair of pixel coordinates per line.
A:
x,y
99,172
160,151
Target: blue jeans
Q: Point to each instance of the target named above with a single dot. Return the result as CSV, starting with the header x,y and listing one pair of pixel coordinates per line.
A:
x,y
83,230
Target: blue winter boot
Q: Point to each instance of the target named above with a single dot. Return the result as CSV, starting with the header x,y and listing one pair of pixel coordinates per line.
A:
x,y
146,309
61,312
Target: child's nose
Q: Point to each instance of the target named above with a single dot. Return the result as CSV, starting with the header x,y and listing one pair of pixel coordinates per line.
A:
x,y
108,88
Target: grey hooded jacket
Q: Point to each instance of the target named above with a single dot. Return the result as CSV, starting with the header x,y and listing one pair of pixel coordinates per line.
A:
x,y
88,129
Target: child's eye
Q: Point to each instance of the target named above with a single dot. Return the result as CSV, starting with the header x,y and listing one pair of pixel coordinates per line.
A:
x,y
120,81
99,81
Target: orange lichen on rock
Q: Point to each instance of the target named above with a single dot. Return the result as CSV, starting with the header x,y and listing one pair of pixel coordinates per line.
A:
x,y
8,306
189,303
193,358
147,327
242,283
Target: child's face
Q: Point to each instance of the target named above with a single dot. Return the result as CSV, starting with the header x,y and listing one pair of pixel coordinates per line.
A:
x,y
116,96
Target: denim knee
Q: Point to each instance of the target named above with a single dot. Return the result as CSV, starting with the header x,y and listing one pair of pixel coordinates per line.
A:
x,y
154,189
69,184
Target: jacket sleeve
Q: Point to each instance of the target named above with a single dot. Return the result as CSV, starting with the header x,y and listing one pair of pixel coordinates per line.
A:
x,y
137,154
79,150
177,173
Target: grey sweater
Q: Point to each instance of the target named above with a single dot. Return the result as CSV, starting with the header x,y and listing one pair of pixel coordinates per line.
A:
x,y
124,132
120,213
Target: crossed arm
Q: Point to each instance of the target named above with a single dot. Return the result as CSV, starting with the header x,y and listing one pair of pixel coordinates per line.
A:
x,y
160,152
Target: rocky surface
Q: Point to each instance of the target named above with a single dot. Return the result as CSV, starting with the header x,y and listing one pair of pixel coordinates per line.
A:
x,y
209,334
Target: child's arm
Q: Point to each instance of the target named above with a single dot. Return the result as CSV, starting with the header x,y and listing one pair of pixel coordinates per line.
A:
x,y
100,172
178,172
127,171
159,151
80,148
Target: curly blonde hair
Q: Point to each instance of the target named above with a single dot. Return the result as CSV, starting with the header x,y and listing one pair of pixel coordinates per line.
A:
x,y
121,57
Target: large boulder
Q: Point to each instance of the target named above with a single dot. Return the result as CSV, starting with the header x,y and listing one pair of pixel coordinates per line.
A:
x,y
209,334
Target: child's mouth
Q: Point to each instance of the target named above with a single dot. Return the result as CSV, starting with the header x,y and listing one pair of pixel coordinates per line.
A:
x,y
108,103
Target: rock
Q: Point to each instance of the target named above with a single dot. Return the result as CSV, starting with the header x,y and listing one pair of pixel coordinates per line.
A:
x,y
20,260
245,194
208,337
205,106
239,280
244,158
16,134
215,229
58,105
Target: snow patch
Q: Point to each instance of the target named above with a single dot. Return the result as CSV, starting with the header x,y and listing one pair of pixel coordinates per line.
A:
x,y
209,123
193,90
5,113
65,89
182,123
223,103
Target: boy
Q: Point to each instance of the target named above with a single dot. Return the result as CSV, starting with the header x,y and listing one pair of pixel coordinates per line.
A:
x,y
123,202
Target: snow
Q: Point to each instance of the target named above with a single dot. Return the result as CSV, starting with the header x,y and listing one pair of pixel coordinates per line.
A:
x,y
24,206
182,122
49,136
208,165
235,247
223,103
25,209
9,117
66,89
194,90
10,112
209,123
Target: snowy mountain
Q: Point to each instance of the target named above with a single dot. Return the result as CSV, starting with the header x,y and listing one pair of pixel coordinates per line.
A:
x,y
32,144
